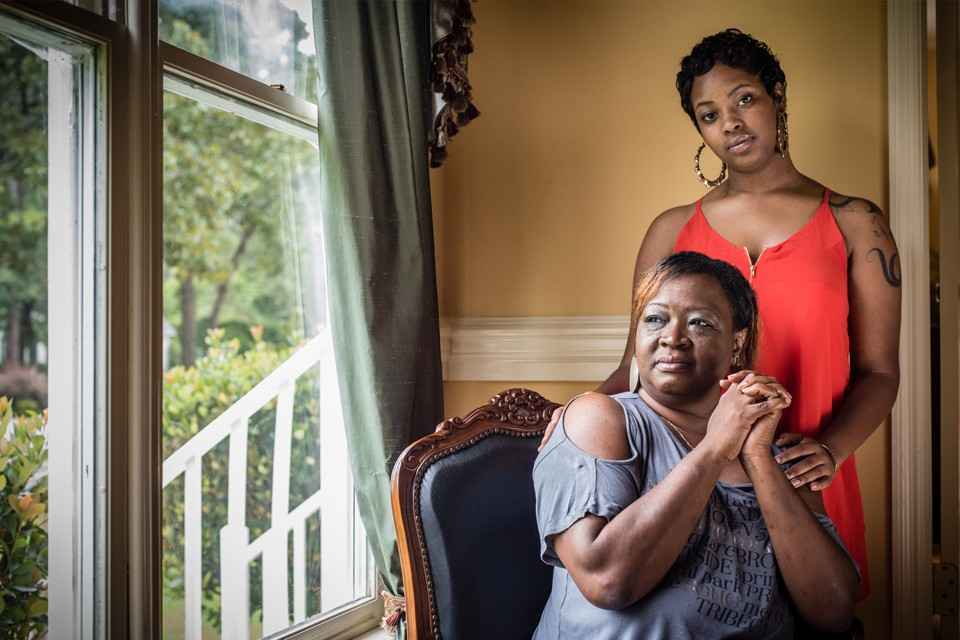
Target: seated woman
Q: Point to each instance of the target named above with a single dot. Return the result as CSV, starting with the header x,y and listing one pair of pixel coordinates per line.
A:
x,y
664,512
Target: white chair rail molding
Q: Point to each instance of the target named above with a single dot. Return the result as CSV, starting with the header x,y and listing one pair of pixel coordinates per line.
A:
x,y
532,348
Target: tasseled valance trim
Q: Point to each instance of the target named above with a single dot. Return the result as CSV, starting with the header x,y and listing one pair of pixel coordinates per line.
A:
x,y
449,79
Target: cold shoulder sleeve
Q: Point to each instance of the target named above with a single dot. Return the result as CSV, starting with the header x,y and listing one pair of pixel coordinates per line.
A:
x,y
570,484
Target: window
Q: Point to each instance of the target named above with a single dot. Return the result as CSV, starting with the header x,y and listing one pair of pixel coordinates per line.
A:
x,y
51,323
171,294
268,40
260,530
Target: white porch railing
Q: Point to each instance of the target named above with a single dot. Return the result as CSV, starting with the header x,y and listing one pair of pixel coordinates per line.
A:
x,y
333,499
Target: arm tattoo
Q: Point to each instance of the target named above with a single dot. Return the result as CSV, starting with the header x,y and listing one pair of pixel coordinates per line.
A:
x,y
840,201
891,267
880,228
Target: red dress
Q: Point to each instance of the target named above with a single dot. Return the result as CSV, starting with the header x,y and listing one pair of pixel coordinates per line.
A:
x,y
801,287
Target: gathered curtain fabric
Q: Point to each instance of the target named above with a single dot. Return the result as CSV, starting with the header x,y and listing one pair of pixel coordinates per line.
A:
x,y
375,111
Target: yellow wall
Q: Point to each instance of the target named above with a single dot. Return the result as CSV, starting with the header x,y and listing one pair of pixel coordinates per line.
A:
x,y
545,198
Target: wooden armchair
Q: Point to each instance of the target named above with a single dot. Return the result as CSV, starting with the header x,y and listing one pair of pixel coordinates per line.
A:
x,y
463,506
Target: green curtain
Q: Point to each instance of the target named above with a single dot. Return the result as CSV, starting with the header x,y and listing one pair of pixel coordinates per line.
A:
x,y
375,112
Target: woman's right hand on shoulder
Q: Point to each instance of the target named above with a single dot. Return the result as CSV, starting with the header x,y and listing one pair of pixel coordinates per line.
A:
x,y
745,400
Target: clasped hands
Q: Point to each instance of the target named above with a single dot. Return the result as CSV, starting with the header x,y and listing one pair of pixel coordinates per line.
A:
x,y
765,399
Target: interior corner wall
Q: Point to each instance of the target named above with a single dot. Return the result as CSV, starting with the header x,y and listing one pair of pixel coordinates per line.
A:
x,y
544,199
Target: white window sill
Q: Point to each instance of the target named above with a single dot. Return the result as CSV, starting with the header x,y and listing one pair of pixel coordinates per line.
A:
x,y
376,634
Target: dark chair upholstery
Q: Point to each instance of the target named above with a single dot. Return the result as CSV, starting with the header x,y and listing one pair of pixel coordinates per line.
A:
x,y
463,504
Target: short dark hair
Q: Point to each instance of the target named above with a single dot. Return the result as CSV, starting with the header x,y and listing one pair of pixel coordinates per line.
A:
x,y
739,293
733,48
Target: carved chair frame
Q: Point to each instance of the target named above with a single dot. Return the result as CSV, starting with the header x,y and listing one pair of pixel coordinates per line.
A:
x,y
518,413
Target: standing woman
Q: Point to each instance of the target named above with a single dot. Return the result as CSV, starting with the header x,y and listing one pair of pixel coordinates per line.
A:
x,y
824,267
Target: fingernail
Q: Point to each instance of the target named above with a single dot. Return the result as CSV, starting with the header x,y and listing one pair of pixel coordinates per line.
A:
x,y
795,483
779,459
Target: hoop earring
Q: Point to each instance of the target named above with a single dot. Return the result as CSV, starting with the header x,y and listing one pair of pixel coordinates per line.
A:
x,y
783,136
705,180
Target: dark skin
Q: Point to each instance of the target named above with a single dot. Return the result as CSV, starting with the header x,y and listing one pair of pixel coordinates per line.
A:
x,y
685,344
763,202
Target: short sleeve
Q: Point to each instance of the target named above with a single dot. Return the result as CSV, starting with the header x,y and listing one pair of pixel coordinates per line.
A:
x,y
569,484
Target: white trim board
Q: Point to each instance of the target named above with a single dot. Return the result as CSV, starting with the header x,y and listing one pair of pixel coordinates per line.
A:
x,y
911,438
540,348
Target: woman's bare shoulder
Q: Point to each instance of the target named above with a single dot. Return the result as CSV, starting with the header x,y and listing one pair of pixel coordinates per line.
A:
x,y
596,424
858,218
674,218
846,204
662,234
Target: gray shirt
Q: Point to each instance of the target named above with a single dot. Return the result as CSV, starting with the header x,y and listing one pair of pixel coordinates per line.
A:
x,y
725,582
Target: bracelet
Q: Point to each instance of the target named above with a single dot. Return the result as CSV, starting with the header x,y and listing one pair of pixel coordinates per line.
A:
x,y
830,453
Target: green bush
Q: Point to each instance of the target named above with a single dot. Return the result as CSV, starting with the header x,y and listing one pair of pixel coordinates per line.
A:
x,y
23,522
192,398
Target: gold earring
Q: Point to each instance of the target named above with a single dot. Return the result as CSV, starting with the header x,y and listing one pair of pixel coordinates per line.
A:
x,y
699,173
783,137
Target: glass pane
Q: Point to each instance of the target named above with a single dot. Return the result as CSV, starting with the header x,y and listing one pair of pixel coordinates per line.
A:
x,y
268,40
47,199
259,525
23,311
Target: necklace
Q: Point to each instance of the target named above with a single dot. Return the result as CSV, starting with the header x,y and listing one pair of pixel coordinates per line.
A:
x,y
677,430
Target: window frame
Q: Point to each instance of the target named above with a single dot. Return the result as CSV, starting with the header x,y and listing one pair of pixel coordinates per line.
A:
x,y
204,72
127,604
355,618
132,66
76,359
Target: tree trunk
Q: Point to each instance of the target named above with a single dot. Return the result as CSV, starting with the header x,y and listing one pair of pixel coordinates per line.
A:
x,y
223,287
11,339
188,322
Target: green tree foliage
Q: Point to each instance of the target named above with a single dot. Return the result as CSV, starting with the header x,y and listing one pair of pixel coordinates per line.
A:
x,y
23,524
220,197
227,184
23,203
23,321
